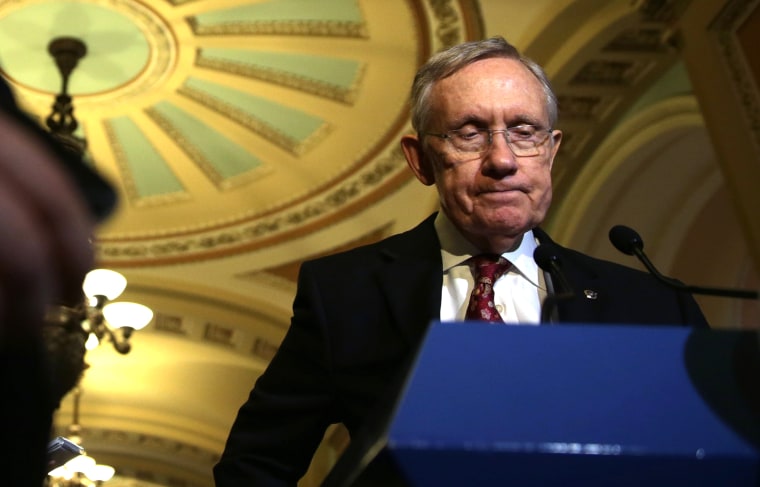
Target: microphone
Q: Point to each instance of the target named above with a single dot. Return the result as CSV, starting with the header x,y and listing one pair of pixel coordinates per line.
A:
x,y
547,258
628,241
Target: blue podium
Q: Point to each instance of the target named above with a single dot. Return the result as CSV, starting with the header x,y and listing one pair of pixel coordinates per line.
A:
x,y
569,405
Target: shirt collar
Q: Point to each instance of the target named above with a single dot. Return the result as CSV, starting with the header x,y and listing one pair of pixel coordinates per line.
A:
x,y
455,249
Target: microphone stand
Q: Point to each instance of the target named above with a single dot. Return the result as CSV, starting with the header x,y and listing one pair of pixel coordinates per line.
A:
x,y
711,291
548,260
628,241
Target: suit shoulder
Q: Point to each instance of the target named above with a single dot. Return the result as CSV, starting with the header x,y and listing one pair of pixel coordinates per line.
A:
x,y
602,268
418,242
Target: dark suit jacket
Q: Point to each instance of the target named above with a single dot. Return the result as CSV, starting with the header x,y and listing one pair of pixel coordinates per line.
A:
x,y
358,316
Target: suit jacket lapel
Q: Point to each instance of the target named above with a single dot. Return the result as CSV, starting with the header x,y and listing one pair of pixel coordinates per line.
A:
x,y
411,279
585,306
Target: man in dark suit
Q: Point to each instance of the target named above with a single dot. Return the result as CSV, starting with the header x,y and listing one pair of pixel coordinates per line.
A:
x,y
484,118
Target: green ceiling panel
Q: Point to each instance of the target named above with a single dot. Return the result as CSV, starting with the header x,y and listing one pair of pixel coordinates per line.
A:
x,y
295,124
218,156
145,167
286,10
343,73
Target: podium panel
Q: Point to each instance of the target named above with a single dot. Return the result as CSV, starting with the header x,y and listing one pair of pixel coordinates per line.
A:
x,y
590,405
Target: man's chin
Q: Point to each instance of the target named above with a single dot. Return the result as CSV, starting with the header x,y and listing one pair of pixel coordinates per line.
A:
x,y
505,234
508,224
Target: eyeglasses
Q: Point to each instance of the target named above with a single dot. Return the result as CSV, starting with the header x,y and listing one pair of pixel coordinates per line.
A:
x,y
523,140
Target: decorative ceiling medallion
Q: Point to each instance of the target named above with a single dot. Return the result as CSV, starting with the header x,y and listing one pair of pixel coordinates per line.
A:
x,y
130,49
239,124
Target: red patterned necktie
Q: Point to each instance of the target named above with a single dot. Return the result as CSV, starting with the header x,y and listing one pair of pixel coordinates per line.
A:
x,y
487,268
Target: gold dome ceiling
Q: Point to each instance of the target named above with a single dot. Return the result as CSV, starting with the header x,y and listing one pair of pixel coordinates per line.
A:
x,y
227,125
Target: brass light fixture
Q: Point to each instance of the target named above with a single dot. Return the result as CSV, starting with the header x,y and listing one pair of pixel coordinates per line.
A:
x,y
69,333
97,317
104,319
67,52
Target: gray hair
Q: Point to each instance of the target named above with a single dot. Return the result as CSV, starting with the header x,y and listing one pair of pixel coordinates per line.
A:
x,y
451,60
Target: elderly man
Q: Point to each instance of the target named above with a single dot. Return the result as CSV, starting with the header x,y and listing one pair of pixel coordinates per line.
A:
x,y
484,118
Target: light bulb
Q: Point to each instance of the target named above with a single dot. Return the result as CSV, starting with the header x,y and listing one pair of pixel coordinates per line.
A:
x,y
80,463
104,282
61,472
100,473
92,342
133,315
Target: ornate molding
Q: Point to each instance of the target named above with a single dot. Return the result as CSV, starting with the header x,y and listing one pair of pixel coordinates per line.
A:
x,y
449,28
102,441
193,247
327,28
725,26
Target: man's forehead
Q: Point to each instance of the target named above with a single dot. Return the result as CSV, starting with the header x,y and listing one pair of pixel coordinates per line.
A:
x,y
497,85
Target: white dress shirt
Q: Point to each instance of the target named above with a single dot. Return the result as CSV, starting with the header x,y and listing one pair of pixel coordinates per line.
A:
x,y
518,293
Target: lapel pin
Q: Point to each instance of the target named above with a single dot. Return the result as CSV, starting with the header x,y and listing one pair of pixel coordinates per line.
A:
x,y
590,293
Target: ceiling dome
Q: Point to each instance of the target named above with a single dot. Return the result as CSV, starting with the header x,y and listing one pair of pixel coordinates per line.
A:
x,y
226,127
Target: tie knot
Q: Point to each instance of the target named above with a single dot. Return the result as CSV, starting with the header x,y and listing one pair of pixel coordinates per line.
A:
x,y
489,266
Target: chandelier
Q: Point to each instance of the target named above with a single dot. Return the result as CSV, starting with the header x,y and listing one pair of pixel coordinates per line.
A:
x,y
67,52
69,333
72,330
81,470
100,319
104,319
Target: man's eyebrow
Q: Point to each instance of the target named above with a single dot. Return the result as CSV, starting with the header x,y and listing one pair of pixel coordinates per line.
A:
x,y
468,118
479,121
525,119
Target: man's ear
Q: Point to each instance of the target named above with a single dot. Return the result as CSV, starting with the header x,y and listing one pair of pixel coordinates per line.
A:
x,y
556,140
418,162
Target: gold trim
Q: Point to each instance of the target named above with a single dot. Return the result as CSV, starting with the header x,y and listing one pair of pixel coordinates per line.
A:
x,y
231,239
182,452
320,28
725,27
450,29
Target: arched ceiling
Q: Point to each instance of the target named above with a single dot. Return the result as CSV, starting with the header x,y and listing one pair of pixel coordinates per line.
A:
x,y
244,136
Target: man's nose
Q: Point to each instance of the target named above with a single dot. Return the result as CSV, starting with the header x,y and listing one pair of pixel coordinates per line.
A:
x,y
500,153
